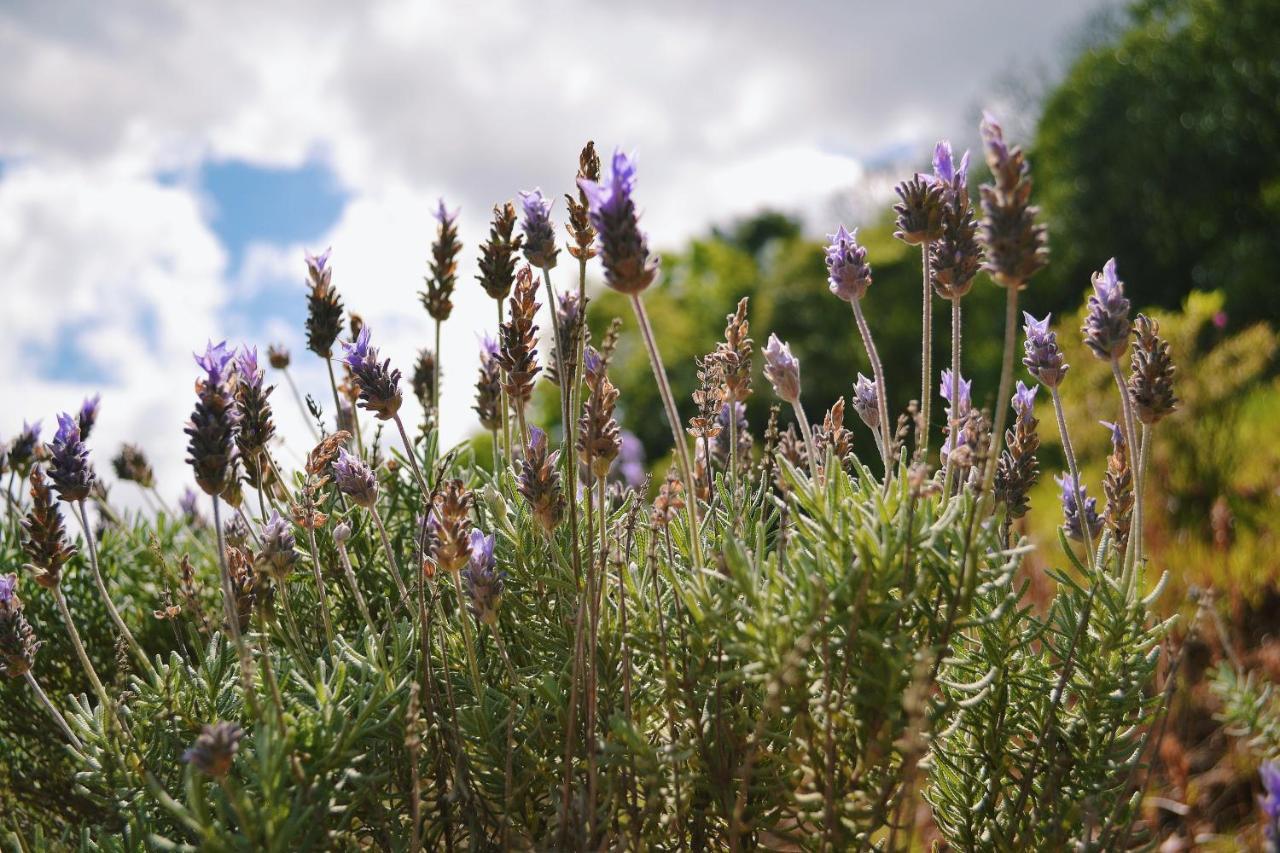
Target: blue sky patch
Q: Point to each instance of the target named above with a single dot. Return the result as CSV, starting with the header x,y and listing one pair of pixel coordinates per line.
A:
x,y
269,205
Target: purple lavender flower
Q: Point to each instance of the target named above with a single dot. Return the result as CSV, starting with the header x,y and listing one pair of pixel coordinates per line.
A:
x,y
379,383
8,587
89,415
247,367
782,369
1106,326
1073,498
624,248
22,450
69,466
957,410
865,402
539,234
848,273
1024,399
591,361
215,749
944,168
1043,358
279,552
1270,800
214,423
483,584
1117,435
317,265
355,478
214,362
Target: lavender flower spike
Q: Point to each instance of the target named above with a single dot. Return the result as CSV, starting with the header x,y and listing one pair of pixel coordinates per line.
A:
x,y
957,409
1073,498
214,423
69,468
848,273
1106,326
483,584
89,415
624,248
379,383
1043,358
782,369
355,478
22,450
539,234
279,555
865,402
1024,399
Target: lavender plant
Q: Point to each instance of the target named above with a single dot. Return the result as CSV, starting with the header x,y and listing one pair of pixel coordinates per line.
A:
x,y
786,648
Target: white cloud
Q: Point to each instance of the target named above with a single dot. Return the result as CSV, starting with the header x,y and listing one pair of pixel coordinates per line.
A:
x,y
731,107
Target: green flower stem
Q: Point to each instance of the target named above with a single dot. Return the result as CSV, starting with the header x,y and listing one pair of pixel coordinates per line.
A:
x,y
926,353
1006,383
877,370
90,540
677,434
53,711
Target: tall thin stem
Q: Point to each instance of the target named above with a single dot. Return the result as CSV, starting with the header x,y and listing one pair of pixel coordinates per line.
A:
x,y
468,637
926,353
83,516
1139,486
413,458
1006,381
391,557
53,711
1075,474
810,448
877,369
503,402
320,591
78,644
673,418
952,423
231,612
435,388
333,386
345,560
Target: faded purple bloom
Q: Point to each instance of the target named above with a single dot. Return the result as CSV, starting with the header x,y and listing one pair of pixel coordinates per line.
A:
x,y
1220,320
484,586
624,248
188,504
69,466
1106,326
848,273
1270,801
631,461
279,554
8,586
592,361
215,749
488,348
782,369
957,410
247,367
1117,435
864,402
355,478
23,447
444,215
963,387
214,362
317,265
539,233
1043,356
1073,497
89,415
379,384
993,138
1024,399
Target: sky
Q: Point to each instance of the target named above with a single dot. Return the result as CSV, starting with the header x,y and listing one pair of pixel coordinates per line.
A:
x,y
165,165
